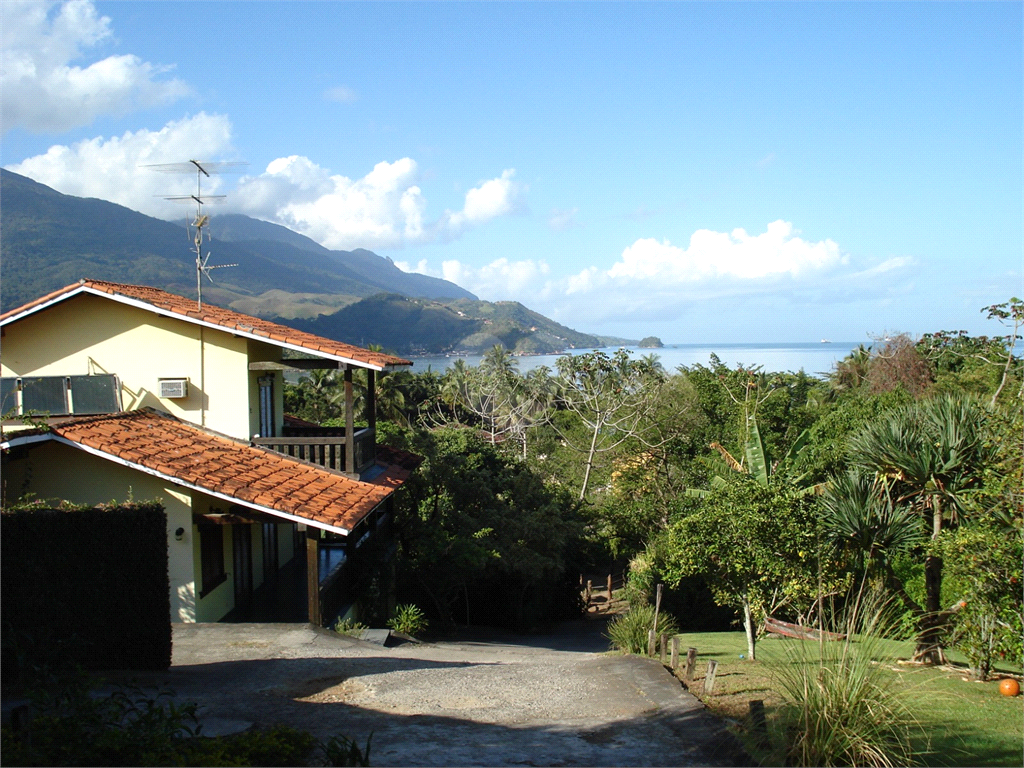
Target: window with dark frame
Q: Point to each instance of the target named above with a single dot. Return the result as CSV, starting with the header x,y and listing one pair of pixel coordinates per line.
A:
x,y
211,546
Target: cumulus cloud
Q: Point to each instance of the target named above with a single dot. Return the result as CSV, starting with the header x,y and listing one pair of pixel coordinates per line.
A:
x,y
384,209
655,280
777,251
111,169
44,91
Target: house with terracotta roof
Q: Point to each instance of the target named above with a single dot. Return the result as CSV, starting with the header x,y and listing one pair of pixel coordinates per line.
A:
x,y
146,394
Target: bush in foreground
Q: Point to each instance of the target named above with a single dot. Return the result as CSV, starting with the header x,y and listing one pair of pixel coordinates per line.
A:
x,y
840,705
628,632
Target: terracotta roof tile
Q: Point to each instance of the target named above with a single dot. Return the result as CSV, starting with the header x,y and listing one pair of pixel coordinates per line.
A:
x,y
157,441
224,318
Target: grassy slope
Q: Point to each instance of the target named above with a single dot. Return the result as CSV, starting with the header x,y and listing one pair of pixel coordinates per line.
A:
x,y
966,723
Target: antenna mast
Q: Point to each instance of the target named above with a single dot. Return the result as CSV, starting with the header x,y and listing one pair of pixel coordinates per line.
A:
x,y
201,221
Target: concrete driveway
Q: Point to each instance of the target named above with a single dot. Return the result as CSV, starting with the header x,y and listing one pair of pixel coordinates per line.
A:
x,y
484,699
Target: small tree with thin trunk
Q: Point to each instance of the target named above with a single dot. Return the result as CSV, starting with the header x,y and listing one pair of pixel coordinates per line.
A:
x,y
613,397
756,545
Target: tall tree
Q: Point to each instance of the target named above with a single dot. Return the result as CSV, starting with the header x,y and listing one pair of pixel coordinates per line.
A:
x,y
932,453
612,396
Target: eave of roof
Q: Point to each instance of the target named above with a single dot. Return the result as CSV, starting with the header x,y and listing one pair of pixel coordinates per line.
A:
x,y
181,308
231,470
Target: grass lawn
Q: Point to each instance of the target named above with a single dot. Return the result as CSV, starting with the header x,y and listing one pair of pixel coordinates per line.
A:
x,y
964,723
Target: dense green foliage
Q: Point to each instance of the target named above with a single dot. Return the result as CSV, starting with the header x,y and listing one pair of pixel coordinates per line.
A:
x,y
114,619
766,493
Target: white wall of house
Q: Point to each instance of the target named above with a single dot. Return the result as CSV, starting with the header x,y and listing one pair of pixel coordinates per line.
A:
x,y
90,335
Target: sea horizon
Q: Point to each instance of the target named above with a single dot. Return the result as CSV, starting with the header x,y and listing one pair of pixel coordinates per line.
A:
x,y
816,358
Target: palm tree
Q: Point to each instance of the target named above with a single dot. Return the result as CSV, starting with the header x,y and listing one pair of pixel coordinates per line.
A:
x,y
863,520
931,454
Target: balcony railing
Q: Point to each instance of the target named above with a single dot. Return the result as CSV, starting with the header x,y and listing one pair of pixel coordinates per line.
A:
x,y
324,446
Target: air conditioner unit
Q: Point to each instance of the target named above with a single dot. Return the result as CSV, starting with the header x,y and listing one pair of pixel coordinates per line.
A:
x,y
174,389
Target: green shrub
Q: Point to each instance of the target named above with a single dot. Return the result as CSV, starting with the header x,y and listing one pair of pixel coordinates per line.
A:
x,y
409,620
349,627
68,725
341,750
628,632
841,706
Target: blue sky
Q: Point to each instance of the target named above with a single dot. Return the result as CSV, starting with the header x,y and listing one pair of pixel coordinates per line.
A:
x,y
704,172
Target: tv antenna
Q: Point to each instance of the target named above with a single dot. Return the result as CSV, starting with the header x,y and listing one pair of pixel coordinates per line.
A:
x,y
197,227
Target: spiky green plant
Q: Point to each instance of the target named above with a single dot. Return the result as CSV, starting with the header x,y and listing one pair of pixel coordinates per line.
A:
x,y
841,705
408,619
628,632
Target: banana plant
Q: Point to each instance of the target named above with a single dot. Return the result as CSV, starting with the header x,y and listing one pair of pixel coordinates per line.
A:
x,y
758,464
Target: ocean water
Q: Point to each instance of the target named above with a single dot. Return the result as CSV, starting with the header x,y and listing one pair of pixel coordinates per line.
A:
x,y
816,359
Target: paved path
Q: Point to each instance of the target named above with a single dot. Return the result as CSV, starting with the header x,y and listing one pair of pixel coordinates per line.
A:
x,y
480,700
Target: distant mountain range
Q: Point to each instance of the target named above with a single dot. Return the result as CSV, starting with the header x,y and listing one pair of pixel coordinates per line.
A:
x,y
49,240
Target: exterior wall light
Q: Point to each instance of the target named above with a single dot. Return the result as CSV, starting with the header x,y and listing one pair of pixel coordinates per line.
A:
x,y
179,534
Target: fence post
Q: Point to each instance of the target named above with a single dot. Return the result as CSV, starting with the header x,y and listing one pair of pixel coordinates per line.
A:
x,y
709,678
758,724
675,652
691,663
663,642
650,642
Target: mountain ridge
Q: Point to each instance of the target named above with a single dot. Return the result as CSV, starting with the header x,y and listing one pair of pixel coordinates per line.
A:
x,y
50,240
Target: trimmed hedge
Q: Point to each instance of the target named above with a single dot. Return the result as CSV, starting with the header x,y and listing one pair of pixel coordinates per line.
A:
x,y
84,587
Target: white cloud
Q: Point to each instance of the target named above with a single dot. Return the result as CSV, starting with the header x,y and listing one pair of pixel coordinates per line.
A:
x,y
777,251
501,279
384,209
44,91
341,94
655,281
560,219
110,169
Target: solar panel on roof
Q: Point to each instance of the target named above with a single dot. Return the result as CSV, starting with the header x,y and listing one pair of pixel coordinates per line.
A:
x,y
94,394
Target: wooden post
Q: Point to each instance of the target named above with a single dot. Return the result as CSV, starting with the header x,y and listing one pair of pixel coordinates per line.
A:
x,y
650,642
691,663
758,724
675,653
663,644
657,606
709,678
313,575
609,588
371,398
350,424
590,592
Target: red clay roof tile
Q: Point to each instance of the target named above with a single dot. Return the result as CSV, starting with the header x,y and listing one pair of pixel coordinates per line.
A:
x,y
154,440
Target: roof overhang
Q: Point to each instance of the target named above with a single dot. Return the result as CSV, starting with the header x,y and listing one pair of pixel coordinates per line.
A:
x,y
235,331
15,441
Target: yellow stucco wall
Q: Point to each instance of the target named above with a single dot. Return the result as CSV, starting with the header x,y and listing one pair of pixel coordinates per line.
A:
x,y
55,471
89,335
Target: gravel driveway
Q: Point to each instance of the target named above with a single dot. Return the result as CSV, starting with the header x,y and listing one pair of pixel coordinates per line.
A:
x,y
480,700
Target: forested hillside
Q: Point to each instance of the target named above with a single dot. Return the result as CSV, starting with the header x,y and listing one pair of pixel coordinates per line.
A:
x,y
411,326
